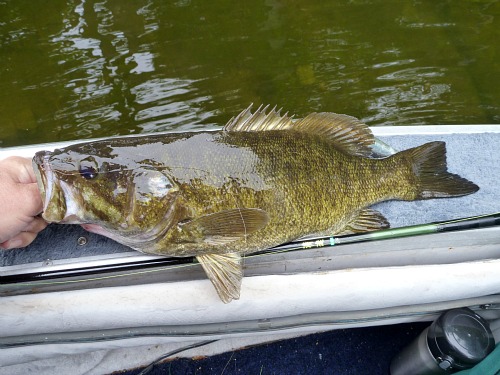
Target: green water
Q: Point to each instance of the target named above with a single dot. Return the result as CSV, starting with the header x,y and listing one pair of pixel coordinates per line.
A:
x,y
82,69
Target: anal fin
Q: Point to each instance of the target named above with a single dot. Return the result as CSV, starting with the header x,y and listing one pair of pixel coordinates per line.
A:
x,y
225,271
366,220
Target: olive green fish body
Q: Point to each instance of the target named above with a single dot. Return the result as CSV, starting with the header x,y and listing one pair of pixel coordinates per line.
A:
x,y
262,181
303,183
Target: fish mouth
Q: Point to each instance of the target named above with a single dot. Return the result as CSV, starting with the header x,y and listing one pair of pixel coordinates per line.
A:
x,y
54,192
60,204
44,176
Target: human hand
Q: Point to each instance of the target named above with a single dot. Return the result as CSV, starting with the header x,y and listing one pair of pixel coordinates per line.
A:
x,y
20,203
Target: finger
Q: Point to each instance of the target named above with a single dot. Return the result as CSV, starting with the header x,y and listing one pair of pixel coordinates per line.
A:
x,y
23,239
32,199
36,225
20,168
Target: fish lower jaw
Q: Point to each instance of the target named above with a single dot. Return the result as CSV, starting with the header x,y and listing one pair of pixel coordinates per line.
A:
x,y
94,228
71,219
117,236
52,215
97,229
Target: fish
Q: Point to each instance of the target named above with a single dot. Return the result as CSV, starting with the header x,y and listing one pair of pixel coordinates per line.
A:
x,y
264,179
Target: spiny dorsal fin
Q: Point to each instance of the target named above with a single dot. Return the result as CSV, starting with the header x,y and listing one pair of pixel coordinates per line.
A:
x,y
346,132
225,271
225,226
247,121
365,220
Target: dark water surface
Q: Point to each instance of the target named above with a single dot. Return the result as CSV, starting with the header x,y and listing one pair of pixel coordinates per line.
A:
x,y
82,69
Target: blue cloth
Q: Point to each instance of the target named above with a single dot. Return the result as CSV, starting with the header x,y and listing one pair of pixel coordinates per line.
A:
x,y
356,351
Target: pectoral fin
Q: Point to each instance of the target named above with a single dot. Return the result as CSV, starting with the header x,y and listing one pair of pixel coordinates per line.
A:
x,y
365,220
225,226
225,271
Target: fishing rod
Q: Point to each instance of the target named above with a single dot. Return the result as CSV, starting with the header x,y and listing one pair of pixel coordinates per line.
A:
x,y
465,223
95,273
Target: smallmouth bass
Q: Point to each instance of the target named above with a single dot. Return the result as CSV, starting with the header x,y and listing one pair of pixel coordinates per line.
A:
x,y
262,181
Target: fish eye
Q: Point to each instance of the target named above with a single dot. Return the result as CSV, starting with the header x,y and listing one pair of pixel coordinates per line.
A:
x,y
88,173
88,169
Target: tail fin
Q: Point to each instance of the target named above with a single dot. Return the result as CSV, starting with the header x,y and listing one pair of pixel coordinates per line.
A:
x,y
433,180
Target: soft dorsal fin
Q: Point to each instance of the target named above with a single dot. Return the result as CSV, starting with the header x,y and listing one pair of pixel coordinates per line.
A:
x,y
347,133
247,121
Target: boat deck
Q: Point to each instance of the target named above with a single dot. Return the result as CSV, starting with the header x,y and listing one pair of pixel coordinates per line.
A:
x,y
283,295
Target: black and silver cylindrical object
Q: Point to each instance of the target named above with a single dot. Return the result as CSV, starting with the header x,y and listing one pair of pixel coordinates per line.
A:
x,y
457,340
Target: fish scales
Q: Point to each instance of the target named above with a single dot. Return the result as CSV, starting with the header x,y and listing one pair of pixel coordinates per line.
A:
x,y
309,188
262,181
